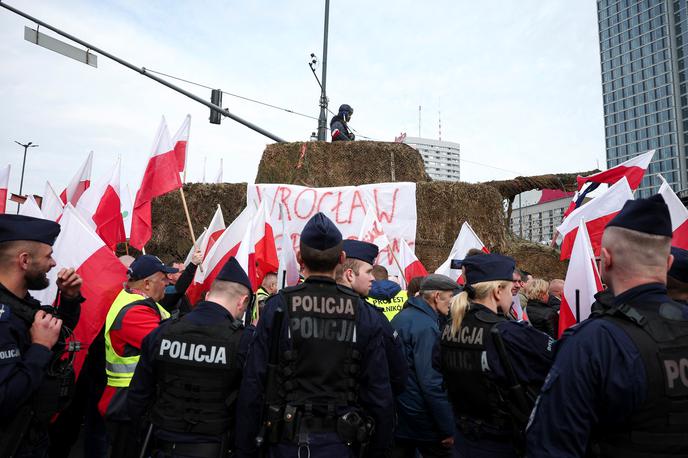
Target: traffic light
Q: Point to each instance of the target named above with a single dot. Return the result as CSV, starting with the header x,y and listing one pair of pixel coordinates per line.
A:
x,y
216,99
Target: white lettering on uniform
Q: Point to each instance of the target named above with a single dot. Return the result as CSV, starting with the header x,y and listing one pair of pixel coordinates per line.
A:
x,y
199,353
675,370
174,349
13,353
483,362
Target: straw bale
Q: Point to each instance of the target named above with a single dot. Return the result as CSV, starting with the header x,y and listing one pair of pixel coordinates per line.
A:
x,y
563,181
340,164
540,260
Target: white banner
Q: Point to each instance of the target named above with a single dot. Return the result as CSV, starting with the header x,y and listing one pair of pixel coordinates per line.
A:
x,y
393,203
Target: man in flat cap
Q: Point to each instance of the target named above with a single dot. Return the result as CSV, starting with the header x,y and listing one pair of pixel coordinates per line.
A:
x,y
326,389
619,383
135,312
190,369
357,273
426,423
33,381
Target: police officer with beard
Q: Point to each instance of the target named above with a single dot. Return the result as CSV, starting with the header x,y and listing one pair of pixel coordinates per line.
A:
x,y
332,382
357,273
34,380
484,356
619,383
190,369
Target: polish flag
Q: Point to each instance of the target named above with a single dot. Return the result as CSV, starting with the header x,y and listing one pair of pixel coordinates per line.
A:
x,y
102,205
409,262
80,182
466,240
4,186
289,269
160,177
180,141
372,231
582,281
127,209
225,247
633,169
679,215
257,253
79,247
30,208
597,213
209,236
52,206
516,310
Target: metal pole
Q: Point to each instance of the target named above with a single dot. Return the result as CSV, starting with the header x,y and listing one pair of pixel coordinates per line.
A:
x,y
21,180
142,70
322,120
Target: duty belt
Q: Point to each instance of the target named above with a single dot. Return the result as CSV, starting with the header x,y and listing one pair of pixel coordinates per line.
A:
x,y
204,449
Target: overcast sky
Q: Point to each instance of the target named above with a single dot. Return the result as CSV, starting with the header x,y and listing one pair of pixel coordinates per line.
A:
x,y
517,82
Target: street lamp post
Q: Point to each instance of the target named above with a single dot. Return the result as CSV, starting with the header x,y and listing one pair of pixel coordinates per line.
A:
x,y
322,120
21,181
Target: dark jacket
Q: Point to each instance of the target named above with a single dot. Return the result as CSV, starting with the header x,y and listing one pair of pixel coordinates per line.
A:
x,y
554,302
175,300
384,290
424,412
339,130
543,317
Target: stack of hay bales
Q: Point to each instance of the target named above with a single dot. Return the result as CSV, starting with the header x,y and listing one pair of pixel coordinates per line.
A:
x,y
441,206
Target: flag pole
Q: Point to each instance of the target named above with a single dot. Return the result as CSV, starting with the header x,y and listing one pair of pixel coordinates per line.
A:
x,y
188,221
126,247
577,306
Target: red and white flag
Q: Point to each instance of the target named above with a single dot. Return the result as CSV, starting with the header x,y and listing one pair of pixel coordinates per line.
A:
x,y
209,236
79,247
633,169
466,240
4,186
596,213
372,231
101,205
160,177
289,268
582,281
180,141
679,215
79,183
127,209
257,253
226,246
409,262
30,208
51,206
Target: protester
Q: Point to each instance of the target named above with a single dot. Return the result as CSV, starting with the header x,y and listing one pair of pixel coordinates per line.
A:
x,y
677,278
425,421
186,394
357,274
323,345
526,278
556,289
339,127
541,315
385,293
134,313
479,385
175,300
35,380
616,386
267,288
413,287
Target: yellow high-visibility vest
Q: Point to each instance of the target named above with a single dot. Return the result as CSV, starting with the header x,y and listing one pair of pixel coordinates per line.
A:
x,y
120,369
392,306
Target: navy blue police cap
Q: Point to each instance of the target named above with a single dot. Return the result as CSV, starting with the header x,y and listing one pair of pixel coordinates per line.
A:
x,y
20,227
649,216
232,271
363,251
489,267
320,233
679,268
146,265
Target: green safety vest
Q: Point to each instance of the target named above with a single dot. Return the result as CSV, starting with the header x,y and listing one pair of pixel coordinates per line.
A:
x,y
393,306
120,369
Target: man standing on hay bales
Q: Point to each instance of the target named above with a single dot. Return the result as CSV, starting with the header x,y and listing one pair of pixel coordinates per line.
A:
x,y
339,128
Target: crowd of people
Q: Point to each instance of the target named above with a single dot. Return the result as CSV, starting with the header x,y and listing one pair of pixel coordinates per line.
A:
x,y
348,363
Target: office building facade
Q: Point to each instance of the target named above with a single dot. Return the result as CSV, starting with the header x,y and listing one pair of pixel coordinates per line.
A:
x,y
536,214
643,46
442,159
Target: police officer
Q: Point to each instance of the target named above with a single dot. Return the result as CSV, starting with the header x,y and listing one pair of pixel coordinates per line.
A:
x,y
677,277
132,316
356,273
479,366
619,383
339,128
34,380
190,370
332,373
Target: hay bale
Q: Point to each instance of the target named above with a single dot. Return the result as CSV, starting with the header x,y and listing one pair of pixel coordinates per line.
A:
x,y
340,164
540,260
563,181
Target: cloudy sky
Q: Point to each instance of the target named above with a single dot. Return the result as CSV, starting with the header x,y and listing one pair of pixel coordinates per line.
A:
x,y
517,82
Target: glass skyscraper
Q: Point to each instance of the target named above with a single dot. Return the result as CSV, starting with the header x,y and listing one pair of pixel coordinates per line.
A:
x,y
643,47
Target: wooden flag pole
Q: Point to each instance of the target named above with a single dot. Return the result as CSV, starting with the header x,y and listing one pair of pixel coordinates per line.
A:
x,y
126,247
188,221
